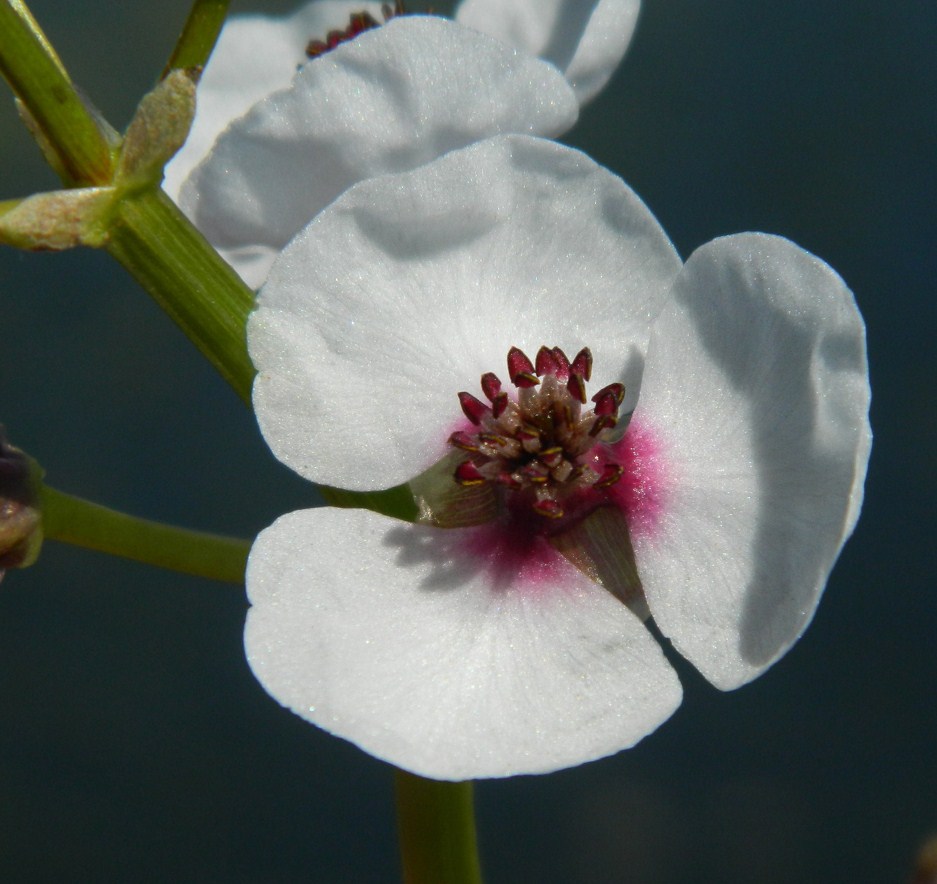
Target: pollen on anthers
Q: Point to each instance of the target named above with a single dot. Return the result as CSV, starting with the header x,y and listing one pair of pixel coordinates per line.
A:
x,y
358,23
541,445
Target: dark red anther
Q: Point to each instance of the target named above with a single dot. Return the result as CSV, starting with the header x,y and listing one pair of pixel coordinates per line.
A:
x,y
616,391
577,387
610,475
491,385
549,508
474,409
526,433
498,404
582,364
521,369
466,473
551,457
463,440
604,422
534,472
508,481
606,404
360,21
562,363
564,415
492,439
546,362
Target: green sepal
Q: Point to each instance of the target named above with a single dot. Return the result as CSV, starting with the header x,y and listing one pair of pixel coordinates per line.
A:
x,y
600,546
443,503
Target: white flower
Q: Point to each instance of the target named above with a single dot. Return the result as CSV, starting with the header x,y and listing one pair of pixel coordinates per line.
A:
x,y
390,99
585,39
488,650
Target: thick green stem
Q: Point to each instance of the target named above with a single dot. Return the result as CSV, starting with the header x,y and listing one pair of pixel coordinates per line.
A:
x,y
198,37
72,520
37,77
436,822
188,279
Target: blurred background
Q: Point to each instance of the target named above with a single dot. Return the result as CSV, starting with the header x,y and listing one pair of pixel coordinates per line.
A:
x,y
136,746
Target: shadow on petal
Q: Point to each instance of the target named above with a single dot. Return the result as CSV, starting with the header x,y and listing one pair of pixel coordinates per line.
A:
x,y
801,370
511,556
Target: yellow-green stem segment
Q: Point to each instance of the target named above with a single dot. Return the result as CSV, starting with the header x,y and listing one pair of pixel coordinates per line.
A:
x,y
79,522
188,279
436,824
36,75
199,34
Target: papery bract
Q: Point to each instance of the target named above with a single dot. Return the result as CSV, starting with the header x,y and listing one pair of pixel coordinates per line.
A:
x,y
482,651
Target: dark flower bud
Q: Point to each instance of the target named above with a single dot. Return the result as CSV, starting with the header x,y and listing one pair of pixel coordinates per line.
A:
x,y
20,515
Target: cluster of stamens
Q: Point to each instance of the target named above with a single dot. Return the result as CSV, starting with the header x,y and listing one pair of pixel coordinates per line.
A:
x,y
358,23
542,444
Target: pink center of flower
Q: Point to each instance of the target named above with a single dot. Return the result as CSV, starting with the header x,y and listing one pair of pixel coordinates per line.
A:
x,y
358,22
541,445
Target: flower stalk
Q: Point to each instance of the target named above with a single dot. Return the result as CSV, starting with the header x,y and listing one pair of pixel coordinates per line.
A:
x,y
199,35
73,139
436,826
188,279
71,519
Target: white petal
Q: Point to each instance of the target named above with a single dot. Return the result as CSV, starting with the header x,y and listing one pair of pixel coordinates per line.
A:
x,y
390,100
757,384
407,289
255,56
586,39
397,638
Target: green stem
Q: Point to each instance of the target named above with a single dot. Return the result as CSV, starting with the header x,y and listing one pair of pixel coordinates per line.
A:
x,y
199,34
72,520
188,279
436,824
36,75
147,232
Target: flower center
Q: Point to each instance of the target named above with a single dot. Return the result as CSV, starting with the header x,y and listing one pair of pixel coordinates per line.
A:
x,y
358,22
541,445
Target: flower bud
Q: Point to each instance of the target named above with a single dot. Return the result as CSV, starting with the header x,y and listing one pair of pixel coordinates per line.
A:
x,y
20,515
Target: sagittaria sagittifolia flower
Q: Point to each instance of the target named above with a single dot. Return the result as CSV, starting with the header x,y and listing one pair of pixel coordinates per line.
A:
x,y
390,92
739,380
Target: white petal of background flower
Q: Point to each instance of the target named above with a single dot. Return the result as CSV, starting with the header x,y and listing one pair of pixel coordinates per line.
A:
x,y
255,55
757,379
586,39
390,100
409,287
385,634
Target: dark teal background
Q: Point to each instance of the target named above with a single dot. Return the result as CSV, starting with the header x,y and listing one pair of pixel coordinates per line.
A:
x,y
136,746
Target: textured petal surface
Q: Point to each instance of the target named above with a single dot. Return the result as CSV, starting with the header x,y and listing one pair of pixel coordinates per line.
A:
x,y
410,287
390,100
586,39
757,382
255,56
427,654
